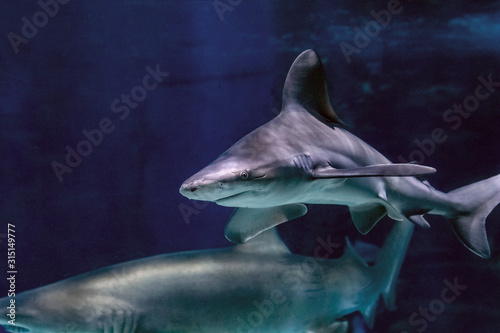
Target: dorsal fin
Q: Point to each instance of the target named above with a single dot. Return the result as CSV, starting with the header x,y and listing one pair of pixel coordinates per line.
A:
x,y
351,255
305,85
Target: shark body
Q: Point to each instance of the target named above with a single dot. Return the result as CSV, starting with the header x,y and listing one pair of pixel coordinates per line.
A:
x,y
303,156
254,287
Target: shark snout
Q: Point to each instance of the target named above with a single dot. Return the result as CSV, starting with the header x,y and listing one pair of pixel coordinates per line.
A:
x,y
201,189
188,190
221,179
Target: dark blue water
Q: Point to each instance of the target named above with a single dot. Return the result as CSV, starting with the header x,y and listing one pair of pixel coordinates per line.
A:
x,y
67,74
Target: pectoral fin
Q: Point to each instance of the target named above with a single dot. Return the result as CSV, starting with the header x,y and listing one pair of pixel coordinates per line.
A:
x,y
378,170
366,216
246,223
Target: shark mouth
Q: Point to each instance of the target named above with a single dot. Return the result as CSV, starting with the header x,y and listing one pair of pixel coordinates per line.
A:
x,y
230,197
229,201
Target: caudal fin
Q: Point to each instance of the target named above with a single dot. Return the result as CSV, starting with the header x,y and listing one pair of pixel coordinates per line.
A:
x,y
474,203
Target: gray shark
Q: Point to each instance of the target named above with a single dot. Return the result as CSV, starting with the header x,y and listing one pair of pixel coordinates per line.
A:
x,y
258,286
304,156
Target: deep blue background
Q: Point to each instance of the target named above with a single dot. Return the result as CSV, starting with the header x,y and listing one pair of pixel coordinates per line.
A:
x,y
225,79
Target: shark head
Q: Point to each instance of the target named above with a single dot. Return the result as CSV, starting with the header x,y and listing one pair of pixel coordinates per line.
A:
x,y
244,176
258,169
28,314
71,305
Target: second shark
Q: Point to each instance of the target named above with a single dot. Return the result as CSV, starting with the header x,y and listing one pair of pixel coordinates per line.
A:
x,y
254,287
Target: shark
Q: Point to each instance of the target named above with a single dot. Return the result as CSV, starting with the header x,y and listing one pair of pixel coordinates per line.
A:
x,y
305,156
259,286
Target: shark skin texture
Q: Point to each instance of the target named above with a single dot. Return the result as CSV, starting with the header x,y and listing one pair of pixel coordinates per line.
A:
x,y
258,286
304,156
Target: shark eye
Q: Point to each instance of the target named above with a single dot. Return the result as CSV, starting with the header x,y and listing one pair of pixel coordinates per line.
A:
x,y
244,175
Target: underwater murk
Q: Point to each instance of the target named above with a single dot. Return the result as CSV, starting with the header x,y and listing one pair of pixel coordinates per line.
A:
x,y
109,109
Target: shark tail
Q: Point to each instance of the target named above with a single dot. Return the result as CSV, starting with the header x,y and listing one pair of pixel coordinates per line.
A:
x,y
473,203
385,271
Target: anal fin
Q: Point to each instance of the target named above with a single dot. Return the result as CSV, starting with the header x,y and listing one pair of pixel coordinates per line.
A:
x,y
367,215
395,214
